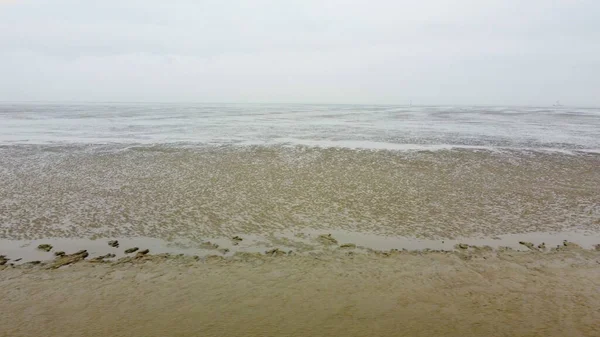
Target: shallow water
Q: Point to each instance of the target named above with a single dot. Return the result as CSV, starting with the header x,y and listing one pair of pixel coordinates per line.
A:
x,y
193,172
363,126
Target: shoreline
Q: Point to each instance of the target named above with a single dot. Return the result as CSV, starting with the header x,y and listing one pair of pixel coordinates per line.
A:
x,y
303,144
302,243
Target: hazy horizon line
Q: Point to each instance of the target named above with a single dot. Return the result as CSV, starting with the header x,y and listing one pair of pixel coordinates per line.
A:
x,y
299,103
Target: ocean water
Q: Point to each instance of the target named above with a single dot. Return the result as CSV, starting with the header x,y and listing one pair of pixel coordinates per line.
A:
x,y
354,126
194,171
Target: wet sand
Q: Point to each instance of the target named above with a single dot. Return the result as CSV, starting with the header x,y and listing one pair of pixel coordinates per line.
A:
x,y
175,193
467,292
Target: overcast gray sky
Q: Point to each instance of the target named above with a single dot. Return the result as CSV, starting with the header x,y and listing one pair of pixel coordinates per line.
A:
x,y
513,52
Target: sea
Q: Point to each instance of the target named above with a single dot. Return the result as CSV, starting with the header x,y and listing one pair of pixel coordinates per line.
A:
x,y
196,173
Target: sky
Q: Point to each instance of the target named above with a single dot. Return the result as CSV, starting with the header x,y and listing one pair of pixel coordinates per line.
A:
x,y
496,52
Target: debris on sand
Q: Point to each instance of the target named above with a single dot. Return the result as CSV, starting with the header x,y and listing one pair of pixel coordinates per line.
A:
x,y
478,249
131,250
113,243
462,245
327,239
141,255
503,249
275,252
60,253
566,245
348,246
236,240
101,258
3,260
69,259
45,247
384,253
542,246
528,245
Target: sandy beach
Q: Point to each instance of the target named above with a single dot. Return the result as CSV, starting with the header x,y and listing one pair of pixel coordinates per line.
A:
x,y
465,292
